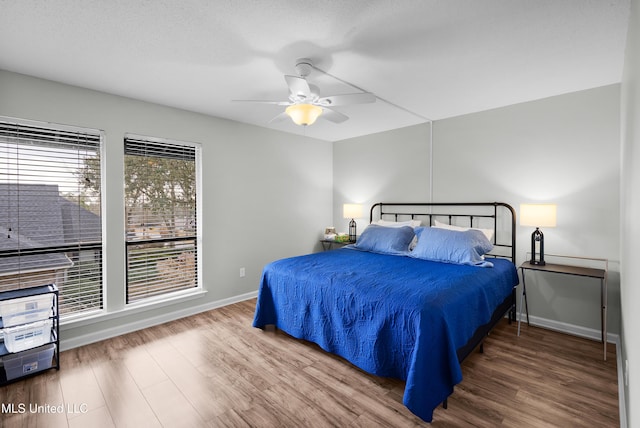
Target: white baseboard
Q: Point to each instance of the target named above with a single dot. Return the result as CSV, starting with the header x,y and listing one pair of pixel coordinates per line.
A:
x,y
119,330
594,334
621,394
562,327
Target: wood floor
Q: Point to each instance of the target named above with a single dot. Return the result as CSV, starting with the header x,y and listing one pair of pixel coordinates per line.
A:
x,y
214,369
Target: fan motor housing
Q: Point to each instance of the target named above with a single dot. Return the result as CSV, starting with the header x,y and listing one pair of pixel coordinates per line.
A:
x,y
304,67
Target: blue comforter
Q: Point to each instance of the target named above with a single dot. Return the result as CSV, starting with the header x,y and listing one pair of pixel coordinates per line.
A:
x,y
391,316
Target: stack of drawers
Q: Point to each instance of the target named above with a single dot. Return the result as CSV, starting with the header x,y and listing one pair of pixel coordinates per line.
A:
x,y
28,334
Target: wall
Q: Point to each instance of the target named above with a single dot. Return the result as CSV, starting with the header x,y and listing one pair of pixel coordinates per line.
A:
x,y
266,194
630,213
390,166
563,149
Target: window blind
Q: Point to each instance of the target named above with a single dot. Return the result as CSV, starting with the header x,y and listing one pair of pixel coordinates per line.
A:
x,y
161,213
50,211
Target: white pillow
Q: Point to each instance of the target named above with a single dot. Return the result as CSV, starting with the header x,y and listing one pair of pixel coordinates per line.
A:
x,y
410,223
487,232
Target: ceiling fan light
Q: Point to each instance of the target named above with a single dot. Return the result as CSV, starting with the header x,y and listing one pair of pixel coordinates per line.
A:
x,y
304,114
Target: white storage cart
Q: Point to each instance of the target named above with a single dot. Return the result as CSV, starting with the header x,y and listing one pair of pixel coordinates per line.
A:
x,y
30,332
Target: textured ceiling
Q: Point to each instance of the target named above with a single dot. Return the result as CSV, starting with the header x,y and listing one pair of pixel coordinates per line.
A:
x,y
435,58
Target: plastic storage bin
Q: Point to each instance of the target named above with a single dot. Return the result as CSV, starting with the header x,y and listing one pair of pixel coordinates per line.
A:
x,y
25,309
27,362
27,336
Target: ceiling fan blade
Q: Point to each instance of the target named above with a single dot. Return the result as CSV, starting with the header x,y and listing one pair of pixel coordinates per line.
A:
x,y
278,103
298,87
279,118
346,99
333,116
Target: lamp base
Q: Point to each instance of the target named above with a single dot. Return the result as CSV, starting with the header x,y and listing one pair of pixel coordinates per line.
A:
x,y
352,231
537,248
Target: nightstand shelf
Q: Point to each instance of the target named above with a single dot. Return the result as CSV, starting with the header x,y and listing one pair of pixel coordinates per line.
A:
x,y
573,270
330,244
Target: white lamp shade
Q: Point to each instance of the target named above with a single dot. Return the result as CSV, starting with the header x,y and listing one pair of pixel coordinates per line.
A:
x,y
304,114
352,211
538,215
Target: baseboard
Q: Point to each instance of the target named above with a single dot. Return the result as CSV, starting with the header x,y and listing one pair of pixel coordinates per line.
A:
x,y
562,327
621,394
594,334
119,330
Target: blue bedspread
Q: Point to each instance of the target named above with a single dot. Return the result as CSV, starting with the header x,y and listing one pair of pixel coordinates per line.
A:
x,y
392,316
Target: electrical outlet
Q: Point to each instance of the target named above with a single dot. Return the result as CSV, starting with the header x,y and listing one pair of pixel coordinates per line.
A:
x,y
626,372
242,272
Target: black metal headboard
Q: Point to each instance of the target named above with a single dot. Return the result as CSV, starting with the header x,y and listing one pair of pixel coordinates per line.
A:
x,y
499,216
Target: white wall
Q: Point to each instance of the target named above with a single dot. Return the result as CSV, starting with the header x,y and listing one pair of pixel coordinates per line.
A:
x,y
562,149
630,215
266,194
390,166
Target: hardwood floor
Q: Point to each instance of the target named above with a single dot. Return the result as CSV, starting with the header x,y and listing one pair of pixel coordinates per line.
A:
x,y
215,370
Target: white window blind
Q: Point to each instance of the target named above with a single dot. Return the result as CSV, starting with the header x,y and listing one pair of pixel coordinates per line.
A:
x,y
161,213
50,223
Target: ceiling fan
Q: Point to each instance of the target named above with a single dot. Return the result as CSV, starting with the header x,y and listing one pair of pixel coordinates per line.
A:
x,y
305,104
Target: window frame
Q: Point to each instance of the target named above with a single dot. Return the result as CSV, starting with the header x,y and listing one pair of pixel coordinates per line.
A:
x,y
77,246
167,297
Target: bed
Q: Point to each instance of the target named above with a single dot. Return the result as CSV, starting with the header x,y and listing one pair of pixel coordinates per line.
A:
x,y
411,314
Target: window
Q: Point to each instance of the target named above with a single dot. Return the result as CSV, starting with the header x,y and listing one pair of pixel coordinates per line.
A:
x,y
50,211
161,217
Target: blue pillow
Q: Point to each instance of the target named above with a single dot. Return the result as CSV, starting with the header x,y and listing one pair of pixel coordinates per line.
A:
x,y
451,246
385,240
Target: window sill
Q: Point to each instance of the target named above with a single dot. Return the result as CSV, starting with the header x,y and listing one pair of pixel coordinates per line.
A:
x,y
130,309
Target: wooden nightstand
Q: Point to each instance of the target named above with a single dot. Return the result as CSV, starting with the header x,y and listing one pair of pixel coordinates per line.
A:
x,y
563,269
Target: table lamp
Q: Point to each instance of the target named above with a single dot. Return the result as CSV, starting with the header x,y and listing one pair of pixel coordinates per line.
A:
x,y
352,211
537,215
